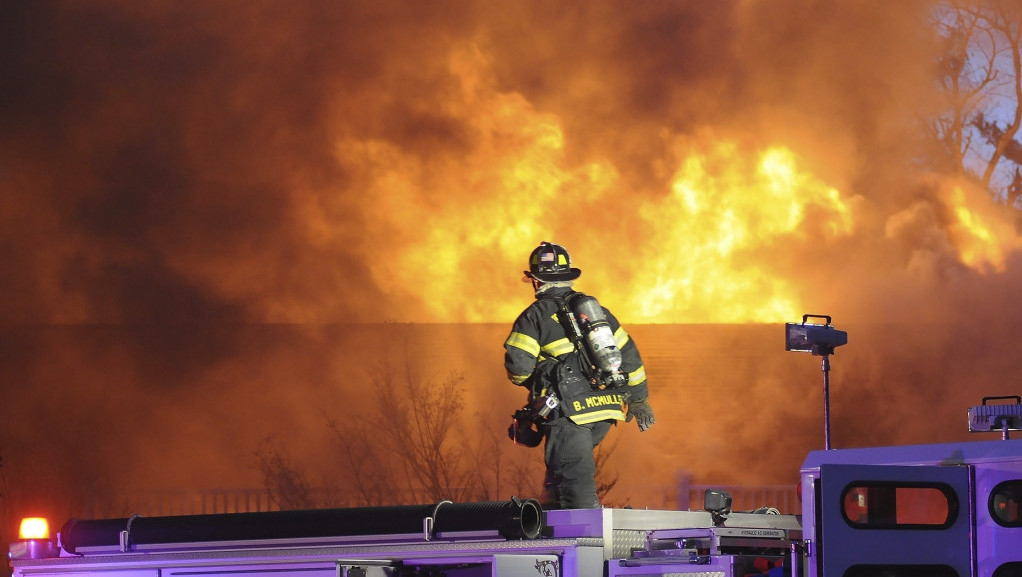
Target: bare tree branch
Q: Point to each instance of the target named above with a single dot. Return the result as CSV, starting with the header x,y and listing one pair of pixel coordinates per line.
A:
x,y
980,74
404,440
287,486
1004,20
368,475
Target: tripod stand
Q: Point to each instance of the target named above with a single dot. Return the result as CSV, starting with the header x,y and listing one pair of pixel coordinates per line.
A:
x,y
826,398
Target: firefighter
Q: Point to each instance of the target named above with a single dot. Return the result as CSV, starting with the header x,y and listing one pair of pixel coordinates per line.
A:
x,y
543,355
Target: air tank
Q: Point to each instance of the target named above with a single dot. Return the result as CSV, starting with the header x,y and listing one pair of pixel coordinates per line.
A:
x,y
599,338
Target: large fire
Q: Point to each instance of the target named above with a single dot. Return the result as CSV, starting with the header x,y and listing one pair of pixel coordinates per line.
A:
x,y
200,199
737,229
434,226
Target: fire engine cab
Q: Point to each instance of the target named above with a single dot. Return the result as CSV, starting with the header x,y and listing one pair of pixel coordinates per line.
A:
x,y
940,510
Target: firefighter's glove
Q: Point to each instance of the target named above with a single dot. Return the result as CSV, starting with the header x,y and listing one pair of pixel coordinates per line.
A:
x,y
642,412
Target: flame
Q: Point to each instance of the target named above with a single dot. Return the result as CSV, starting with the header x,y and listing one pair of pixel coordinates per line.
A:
x,y
724,214
453,224
444,229
978,245
441,229
958,227
726,209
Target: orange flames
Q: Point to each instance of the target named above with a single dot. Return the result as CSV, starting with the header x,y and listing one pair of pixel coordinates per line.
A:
x,y
453,233
419,184
726,238
451,226
980,246
728,211
458,230
959,227
739,229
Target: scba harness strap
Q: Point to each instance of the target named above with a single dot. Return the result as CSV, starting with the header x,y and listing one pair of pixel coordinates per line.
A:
x,y
587,327
573,331
585,395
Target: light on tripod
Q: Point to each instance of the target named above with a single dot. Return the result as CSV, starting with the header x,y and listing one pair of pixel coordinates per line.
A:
x,y
820,340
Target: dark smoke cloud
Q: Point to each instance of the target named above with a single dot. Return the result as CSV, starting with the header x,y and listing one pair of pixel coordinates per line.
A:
x,y
147,140
198,196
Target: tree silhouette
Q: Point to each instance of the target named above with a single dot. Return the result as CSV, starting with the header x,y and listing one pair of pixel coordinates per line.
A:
x,y
980,75
419,427
410,441
606,477
368,476
287,486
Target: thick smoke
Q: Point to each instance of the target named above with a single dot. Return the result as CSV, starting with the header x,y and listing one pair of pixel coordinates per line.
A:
x,y
198,196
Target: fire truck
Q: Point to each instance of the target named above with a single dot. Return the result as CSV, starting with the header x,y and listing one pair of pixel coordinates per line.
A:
x,y
938,510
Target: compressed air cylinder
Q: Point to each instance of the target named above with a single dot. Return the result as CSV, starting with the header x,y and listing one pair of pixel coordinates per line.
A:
x,y
603,350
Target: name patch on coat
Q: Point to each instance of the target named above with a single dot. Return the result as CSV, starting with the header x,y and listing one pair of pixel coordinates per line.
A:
x,y
598,401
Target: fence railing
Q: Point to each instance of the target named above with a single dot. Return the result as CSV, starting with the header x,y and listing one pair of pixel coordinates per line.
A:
x,y
160,503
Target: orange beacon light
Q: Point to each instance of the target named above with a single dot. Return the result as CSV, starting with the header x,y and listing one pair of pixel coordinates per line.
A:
x,y
33,540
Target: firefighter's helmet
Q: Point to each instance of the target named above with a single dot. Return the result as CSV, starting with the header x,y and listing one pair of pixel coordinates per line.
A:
x,y
551,263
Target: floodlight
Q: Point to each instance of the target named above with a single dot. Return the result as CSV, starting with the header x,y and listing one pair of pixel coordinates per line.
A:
x,y
996,416
718,503
820,340
813,338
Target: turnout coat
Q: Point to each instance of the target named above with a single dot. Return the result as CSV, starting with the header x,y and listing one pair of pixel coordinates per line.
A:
x,y
539,355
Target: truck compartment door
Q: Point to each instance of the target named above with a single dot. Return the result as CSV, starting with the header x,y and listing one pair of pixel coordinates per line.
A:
x,y
896,521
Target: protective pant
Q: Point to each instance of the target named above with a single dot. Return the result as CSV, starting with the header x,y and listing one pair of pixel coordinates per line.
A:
x,y
570,469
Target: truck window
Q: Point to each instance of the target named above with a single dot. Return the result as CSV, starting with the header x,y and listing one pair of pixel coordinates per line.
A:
x,y
890,505
1004,503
